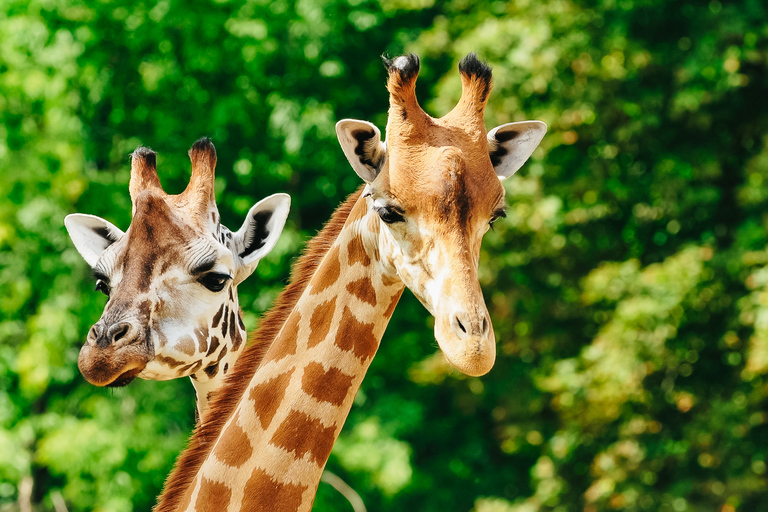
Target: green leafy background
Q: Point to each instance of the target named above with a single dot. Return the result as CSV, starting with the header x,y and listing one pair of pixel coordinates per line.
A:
x,y
628,285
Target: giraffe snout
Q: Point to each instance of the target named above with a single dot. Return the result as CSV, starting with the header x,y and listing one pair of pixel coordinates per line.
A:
x,y
466,337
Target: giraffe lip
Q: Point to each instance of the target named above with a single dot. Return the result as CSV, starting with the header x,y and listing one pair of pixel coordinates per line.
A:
x,y
125,378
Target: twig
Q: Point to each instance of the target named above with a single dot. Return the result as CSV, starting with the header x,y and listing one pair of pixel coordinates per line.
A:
x,y
344,489
25,494
58,502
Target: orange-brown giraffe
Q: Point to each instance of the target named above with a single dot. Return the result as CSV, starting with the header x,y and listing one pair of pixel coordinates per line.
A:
x,y
172,279
431,194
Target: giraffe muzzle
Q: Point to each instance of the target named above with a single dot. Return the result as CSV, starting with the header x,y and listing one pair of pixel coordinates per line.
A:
x,y
467,340
114,354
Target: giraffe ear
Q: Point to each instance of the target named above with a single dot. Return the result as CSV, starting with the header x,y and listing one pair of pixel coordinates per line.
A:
x,y
91,235
260,231
511,144
362,145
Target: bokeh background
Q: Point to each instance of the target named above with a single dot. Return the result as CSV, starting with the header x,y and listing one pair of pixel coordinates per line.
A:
x,y
628,285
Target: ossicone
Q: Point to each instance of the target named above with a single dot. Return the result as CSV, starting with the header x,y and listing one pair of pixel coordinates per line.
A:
x,y
143,172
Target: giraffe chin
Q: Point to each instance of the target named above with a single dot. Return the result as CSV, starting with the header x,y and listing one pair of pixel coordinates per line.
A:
x,y
125,378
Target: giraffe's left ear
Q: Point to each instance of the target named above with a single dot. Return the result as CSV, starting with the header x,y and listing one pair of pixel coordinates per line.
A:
x,y
91,235
260,231
511,144
362,145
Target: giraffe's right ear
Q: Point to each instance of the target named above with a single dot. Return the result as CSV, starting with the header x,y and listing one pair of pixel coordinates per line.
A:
x,y
260,231
91,235
362,145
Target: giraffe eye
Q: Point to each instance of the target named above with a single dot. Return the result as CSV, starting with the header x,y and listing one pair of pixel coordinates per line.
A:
x,y
389,215
102,286
497,215
214,281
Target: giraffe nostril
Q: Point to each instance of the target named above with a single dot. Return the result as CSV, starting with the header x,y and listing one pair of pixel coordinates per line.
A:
x,y
94,332
461,326
485,325
119,332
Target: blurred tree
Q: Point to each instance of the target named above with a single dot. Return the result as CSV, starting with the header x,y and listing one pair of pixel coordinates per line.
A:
x,y
628,285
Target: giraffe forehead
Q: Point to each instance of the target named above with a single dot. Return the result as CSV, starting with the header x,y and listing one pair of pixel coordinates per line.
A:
x,y
163,232
447,186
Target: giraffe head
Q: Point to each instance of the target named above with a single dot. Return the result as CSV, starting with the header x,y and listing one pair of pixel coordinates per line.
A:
x,y
435,186
171,278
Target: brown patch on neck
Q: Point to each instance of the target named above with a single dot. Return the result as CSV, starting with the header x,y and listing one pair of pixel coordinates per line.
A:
x,y
330,386
392,305
267,397
332,271
262,492
363,290
356,336
319,324
226,401
357,253
300,434
212,496
237,450
288,347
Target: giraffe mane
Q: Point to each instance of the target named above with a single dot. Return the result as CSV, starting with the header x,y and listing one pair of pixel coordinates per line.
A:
x,y
227,398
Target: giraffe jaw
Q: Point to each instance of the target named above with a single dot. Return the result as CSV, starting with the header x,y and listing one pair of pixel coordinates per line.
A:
x,y
125,378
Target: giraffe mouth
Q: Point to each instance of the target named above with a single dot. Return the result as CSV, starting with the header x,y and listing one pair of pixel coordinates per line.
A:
x,y
125,378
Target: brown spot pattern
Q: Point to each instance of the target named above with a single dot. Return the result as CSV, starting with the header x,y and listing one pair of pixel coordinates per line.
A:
x,y
357,253
320,322
224,324
232,324
144,309
213,346
388,281
356,336
262,492
329,386
285,343
211,370
217,317
237,339
212,496
221,354
202,338
233,448
190,368
186,345
300,434
393,304
328,273
363,290
170,361
267,397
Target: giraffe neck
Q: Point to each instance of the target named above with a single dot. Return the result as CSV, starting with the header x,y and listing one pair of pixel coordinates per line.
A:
x,y
219,348
272,450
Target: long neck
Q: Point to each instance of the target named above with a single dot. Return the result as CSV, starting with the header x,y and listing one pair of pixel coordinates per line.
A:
x,y
271,452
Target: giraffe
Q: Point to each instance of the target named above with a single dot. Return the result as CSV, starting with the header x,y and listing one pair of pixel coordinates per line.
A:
x,y
172,279
430,194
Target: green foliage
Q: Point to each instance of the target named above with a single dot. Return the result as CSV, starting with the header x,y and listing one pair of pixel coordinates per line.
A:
x,y
628,285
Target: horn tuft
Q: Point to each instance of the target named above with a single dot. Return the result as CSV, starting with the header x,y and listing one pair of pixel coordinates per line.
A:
x,y
475,70
406,66
203,152
146,155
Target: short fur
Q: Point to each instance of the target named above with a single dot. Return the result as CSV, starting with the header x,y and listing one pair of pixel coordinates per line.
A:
x,y
225,401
